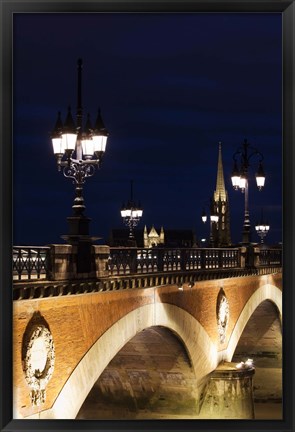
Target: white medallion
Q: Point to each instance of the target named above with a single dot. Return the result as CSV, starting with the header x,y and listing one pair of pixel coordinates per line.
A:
x,y
222,315
38,362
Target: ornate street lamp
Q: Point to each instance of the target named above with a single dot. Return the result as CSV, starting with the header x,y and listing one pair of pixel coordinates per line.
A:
x,y
213,220
78,153
240,179
262,228
131,213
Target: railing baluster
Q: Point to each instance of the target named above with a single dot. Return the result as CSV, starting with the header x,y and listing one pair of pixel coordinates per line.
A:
x,y
30,262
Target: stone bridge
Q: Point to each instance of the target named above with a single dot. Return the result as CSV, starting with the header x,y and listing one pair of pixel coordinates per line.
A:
x,y
67,331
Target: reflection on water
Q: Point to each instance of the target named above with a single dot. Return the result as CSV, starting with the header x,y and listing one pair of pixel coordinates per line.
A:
x,y
268,411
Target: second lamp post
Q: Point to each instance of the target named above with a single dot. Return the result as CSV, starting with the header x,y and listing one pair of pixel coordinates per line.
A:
x,y
213,217
240,180
131,214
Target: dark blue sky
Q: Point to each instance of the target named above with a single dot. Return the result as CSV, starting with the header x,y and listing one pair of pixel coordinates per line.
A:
x,y
170,87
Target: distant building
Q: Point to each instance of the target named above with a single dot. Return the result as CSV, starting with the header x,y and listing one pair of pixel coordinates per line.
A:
x,y
221,229
153,237
120,238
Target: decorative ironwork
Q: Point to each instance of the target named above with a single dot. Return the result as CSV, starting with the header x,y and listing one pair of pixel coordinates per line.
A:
x,y
30,262
120,262
139,260
146,261
35,290
79,171
270,257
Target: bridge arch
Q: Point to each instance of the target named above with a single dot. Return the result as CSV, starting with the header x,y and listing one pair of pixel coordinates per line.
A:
x,y
150,377
200,349
265,292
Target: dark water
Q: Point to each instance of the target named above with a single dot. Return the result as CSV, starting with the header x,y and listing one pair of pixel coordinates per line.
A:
x,y
268,411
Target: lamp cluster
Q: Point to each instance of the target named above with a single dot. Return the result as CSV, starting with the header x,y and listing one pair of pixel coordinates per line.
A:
x,y
239,175
131,213
240,180
87,145
213,217
262,227
67,138
79,151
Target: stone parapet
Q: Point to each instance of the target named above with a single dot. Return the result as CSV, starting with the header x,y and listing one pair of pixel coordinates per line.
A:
x,y
76,262
250,256
101,255
61,262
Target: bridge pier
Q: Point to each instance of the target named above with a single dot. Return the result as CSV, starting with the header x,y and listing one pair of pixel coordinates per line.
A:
x,y
229,393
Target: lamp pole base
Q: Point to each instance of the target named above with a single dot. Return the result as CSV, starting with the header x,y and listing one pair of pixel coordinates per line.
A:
x,y
79,236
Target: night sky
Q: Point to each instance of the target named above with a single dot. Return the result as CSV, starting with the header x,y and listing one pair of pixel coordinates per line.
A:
x,y
170,87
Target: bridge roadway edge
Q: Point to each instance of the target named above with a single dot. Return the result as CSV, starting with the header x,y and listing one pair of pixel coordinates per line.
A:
x,y
198,302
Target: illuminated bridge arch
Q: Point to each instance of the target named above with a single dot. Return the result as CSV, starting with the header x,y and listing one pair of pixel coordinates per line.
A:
x,y
265,292
200,349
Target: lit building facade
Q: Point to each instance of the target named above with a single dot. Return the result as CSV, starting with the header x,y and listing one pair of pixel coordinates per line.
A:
x,y
153,238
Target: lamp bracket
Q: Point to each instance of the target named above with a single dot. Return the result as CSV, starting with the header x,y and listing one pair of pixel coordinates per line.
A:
x,y
79,170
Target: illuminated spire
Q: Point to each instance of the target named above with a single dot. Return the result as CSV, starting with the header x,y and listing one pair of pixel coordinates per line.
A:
x,y
153,233
221,229
220,192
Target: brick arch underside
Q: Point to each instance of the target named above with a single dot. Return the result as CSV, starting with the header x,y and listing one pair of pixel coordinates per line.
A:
x,y
150,378
266,292
199,347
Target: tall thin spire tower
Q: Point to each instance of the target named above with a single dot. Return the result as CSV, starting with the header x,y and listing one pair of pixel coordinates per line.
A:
x,y
221,229
220,191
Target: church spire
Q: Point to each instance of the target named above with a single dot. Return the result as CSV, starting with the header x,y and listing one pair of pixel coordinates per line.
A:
x,y
221,229
220,192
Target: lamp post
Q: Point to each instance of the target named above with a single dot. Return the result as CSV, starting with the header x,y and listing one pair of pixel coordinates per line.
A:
x,y
213,220
262,228
240,180
78,153
131,214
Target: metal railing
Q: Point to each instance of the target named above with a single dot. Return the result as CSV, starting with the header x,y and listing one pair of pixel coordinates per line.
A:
x,y
269,257
123,261
44,288
30,262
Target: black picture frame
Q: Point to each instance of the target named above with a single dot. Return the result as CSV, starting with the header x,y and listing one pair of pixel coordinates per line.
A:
x,y
8,8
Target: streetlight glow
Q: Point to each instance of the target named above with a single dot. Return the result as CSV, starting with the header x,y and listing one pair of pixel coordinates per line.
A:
x,y
131,213
204,216
240,180
213,218
88,147
235,177
260,177
262,228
